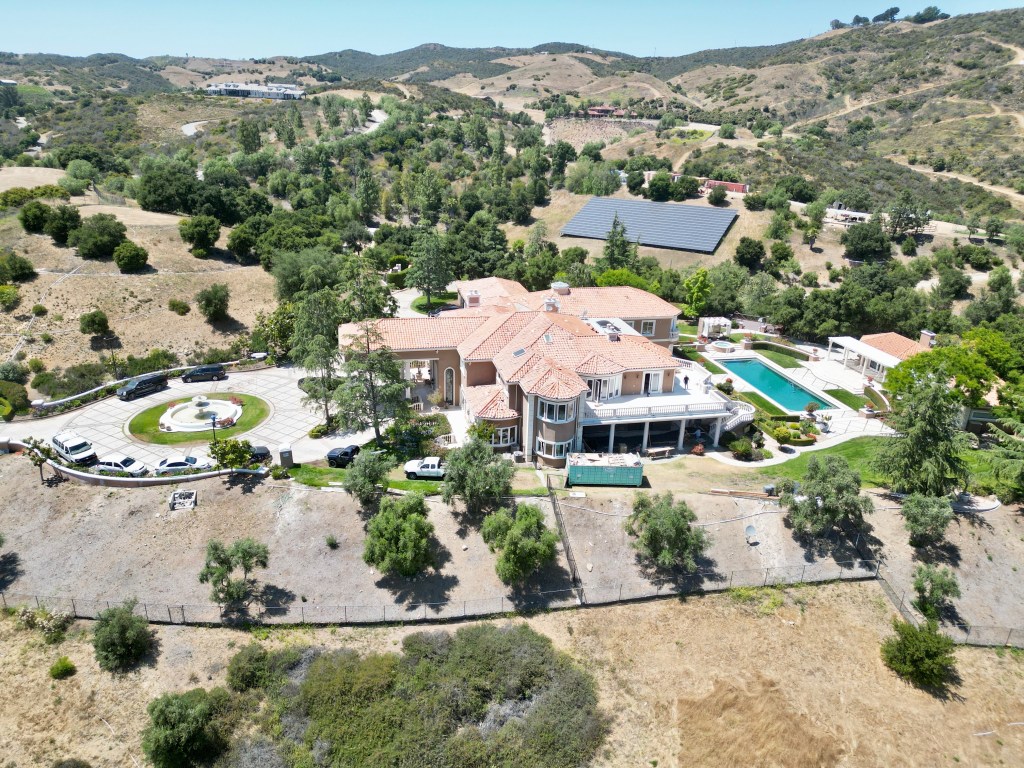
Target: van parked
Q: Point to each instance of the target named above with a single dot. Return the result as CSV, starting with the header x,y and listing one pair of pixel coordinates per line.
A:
x,y
143,385
213,372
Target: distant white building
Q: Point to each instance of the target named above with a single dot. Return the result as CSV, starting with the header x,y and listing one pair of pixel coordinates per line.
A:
x,y
256,90
8,82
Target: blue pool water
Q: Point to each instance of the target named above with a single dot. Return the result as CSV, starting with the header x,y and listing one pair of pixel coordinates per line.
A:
x,y
786,393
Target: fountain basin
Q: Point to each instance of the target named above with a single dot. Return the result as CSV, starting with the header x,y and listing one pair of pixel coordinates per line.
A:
x,y
196,414
722,346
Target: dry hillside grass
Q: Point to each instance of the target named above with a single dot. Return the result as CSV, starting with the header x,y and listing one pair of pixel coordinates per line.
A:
x,y
201,71
711,681
135,304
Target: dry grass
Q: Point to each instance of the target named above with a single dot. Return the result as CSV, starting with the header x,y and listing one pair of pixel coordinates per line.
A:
x,y
28,177
750,722
706,682
136,304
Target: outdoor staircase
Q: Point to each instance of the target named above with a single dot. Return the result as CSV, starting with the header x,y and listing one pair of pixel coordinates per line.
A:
x,y
742,413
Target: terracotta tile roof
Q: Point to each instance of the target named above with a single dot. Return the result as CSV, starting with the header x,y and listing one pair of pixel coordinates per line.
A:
x,y
620,301
494,334
489,401
491,289
406,334
894,344
548,378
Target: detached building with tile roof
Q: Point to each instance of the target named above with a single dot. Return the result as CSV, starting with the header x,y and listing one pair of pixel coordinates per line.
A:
x,y
876,354
563,370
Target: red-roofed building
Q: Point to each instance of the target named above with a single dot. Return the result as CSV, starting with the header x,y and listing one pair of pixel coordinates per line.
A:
x,y
564,370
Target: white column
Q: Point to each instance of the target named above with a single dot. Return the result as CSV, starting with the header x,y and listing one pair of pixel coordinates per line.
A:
x,y
647,430
682,434
718,431
611,438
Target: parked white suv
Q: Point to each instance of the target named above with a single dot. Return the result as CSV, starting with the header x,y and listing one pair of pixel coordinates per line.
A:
x,y
72,447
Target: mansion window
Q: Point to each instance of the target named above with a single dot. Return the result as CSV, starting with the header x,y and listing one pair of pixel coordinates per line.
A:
x,y
553,450
505,436
557,413
647,327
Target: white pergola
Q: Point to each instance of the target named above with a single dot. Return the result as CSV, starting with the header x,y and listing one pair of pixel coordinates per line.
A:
x,y
865,356
710,327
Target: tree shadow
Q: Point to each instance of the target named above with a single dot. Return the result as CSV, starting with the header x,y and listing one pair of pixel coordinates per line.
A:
x,y
973,519
548,585
273,596
247,483
10,569
426,588
939,552
229,325
105,343
221,256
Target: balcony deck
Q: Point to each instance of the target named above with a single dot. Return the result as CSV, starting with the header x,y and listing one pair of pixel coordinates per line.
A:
x,y
695,402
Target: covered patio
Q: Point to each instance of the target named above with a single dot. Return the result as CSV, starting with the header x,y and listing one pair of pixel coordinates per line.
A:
x,y
862,357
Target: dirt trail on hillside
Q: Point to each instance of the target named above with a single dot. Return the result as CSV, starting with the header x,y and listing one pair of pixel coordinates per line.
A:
x,y
1013,195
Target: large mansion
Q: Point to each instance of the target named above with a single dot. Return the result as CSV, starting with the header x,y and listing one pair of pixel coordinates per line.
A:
x,y
562,370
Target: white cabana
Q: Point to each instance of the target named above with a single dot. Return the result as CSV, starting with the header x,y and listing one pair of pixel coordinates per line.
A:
x,y
714,327
863,357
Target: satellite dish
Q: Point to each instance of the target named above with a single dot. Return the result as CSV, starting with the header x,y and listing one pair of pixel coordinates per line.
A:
x,y
750,532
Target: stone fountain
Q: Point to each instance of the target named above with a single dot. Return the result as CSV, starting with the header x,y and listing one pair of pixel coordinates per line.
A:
x,y
195,415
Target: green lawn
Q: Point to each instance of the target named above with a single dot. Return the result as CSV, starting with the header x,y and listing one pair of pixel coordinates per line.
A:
x,y
858,452
759,402
318,477
780,359
420,304
848,399
692,354
146,426
861,451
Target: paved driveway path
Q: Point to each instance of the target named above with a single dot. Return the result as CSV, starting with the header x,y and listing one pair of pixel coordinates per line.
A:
x,y
105,423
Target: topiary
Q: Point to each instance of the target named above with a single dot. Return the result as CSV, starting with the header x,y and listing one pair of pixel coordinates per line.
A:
x,y
781,435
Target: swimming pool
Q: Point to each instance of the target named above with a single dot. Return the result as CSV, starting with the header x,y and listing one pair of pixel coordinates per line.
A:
x,y
769,382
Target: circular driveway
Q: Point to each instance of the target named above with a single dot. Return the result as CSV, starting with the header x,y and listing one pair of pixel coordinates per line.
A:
x,y
105,423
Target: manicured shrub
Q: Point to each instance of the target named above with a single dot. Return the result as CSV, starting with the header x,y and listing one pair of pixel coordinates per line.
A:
x,y
742,449
62,668
213,302
33,216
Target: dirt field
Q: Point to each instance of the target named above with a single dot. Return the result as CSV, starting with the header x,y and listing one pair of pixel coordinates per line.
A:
x,y
609,568
710,681
28,177
985,551
119,543
136,304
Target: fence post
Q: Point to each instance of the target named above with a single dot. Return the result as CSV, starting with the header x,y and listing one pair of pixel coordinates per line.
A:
x,y
841,569
302,613
344,613
904,597
463,609
74,610
1009,634
878,566
145,610
620,591
765,578
37,600
169,619
802,572
730,578
502,603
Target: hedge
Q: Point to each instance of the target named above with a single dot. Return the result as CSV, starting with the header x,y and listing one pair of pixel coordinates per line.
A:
x,y
788,351
16,396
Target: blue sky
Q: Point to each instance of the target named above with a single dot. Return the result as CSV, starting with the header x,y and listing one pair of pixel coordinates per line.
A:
x,y
255,28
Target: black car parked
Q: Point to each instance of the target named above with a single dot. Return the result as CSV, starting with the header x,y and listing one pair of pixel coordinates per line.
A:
x,y
214,372
143,385
342,457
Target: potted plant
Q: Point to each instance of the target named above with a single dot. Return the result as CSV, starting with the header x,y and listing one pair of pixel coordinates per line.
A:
x,y
748,340
436,398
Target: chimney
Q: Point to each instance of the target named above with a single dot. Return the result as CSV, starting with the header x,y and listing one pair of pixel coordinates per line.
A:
x,y
551,304
562,289
927,338
613,337
473,298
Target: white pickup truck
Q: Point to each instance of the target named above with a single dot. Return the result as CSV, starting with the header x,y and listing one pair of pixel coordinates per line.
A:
x,y
432,466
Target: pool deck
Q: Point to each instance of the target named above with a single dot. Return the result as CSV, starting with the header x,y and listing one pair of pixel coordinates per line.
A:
x,y
803,376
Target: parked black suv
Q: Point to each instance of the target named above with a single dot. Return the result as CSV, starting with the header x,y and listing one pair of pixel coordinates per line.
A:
x,y
143,385
342,457
214,372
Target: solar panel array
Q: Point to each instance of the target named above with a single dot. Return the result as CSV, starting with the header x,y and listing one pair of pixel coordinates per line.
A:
x,y
660,225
